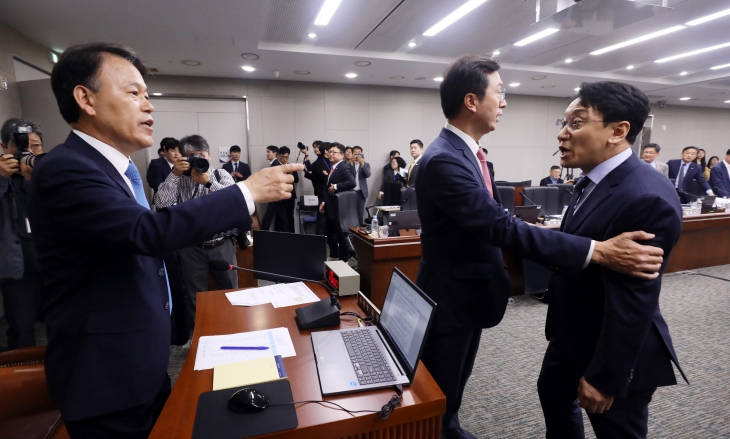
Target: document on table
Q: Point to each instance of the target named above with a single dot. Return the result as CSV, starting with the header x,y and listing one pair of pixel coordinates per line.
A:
x,y
210,354
279,295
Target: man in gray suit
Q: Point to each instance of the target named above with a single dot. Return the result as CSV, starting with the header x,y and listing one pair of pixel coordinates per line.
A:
x,y
361,169
650,153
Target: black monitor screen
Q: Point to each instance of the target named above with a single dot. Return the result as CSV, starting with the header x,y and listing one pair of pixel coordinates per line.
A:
x,y
290,254
391,194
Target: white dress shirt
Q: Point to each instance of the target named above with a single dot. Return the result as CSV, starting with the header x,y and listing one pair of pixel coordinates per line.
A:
x,y
727,167
653,164
121,163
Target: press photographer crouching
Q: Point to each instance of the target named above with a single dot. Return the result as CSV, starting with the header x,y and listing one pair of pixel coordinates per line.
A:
x,y
191,177
20,280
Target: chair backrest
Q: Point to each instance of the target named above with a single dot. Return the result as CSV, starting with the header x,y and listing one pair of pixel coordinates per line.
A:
x,y
526,183
695,189
564,195
347,210
545,196
507,195
408,199
23,389
305,206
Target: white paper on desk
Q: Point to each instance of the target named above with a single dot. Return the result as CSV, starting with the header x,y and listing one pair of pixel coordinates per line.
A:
x,y
280,295
294,294
210,354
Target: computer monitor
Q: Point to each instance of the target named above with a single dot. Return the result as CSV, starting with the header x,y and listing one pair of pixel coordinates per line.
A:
x,y
403,219
290,254
391,193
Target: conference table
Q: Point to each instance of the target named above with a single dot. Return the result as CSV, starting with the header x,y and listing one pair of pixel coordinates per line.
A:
x,y
418,416
704,242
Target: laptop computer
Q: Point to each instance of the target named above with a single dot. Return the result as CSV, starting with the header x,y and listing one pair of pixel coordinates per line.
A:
x,y
707,203
373,357
528,214
404,219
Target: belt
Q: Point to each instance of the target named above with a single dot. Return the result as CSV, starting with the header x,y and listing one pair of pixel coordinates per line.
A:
x,y
213,243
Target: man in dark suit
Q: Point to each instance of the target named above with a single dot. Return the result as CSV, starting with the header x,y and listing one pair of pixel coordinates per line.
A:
x,y
609,344
416,149
340,179
289,204
553,178
238,169
361,169
100,248
275,212
318,174
463,225
684,171
160,168
720,177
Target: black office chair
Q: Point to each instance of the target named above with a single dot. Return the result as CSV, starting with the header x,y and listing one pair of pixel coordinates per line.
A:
x,y
347,215
307,214
565,194
525,183
408,199
507,195
544,196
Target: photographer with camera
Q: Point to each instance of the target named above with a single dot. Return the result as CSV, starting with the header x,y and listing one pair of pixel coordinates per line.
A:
x,y
190,178
20,280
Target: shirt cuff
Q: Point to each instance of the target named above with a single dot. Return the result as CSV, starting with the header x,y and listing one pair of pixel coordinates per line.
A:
x,y
252,207
709,191
590,254
334,186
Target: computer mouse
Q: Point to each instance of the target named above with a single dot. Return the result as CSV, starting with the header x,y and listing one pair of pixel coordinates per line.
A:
x,y
248,401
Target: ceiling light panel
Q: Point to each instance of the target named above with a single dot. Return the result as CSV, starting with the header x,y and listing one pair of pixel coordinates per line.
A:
x,y
535,37
723,66
328,10
694,52
708,18
452,17
351,75
638,40
248,68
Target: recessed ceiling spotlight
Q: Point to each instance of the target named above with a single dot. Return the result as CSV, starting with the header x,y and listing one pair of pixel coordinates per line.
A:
x,y
397,77
438,79
250,56
412,44
452,17
577,89
723,66
708,18
547,86
568,60
362,63
515,84
248,68
538,77
537,36
683,73
694,52
685,99
191,62
156,94
420,78
301,72
496,52
312,35
325,14
351,75
631,67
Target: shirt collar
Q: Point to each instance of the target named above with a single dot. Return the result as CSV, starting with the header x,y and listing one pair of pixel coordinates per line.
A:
x,y
470,142
417,158
117,159
271,162
334,165
602,170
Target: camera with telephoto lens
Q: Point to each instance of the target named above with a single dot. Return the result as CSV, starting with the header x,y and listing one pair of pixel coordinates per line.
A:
x,y
21,141
197,163
301,146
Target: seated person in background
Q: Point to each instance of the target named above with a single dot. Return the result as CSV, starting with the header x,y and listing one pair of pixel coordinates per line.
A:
x,y
238,170
649,153
720,177
684,171
393,174
553,178
710,163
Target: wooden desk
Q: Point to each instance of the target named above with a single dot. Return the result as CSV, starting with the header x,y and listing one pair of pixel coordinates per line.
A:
x,y
419,416
698,244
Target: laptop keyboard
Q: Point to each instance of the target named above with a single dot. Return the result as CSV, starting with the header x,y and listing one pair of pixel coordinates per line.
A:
x,y
368,362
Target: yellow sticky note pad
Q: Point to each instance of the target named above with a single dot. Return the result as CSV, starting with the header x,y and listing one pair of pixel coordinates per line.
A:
x,y
259,370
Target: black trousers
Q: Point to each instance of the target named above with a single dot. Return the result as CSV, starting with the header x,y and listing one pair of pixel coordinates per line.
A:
x,y
276,214
22,304
360,200
450,359
134,423
289,214
557,387
336,239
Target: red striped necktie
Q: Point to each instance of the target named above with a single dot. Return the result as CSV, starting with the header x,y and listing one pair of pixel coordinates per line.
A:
x,y
485,170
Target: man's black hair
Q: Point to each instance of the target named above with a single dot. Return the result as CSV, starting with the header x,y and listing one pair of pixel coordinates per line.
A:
x,y
284,150
169,143
193,143
357,147
652,145
417,142
394,152
8,128
617,102
80,65
690,147
338,146
234,148
466,74
552,168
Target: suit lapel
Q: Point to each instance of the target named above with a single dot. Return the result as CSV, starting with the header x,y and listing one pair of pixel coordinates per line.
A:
x,y
459,144
78,144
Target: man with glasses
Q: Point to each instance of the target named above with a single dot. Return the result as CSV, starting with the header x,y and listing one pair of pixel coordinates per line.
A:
x,y
649,153
463,225
684,171
340,179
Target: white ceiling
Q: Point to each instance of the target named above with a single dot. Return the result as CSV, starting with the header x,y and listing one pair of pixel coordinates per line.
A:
x,y
216,33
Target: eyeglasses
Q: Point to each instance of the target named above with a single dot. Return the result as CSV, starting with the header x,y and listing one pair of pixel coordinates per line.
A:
x,y
501,93
573,123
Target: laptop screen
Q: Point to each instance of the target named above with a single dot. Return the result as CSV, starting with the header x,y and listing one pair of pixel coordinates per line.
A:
x,y
406,316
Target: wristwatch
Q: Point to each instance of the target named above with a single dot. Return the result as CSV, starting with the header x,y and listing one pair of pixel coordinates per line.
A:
x,y
208,184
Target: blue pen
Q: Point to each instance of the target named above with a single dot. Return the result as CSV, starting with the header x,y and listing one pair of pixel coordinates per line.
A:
x,y
245,348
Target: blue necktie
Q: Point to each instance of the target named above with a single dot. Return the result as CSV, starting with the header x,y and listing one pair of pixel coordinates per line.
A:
x,y
132,174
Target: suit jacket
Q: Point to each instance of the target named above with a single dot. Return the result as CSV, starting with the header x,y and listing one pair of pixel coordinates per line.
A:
x,y
546,181
344,178
157,172
719,179
319,171
105,296
662,167
462,229
609,323
412,175
363,174
243,169
388,175
694,172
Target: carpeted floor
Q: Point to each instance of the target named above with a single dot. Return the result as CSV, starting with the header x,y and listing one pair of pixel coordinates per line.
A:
x,y
501,402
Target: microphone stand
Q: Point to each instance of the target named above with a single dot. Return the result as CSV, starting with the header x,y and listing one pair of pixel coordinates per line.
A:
x,y
544,215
